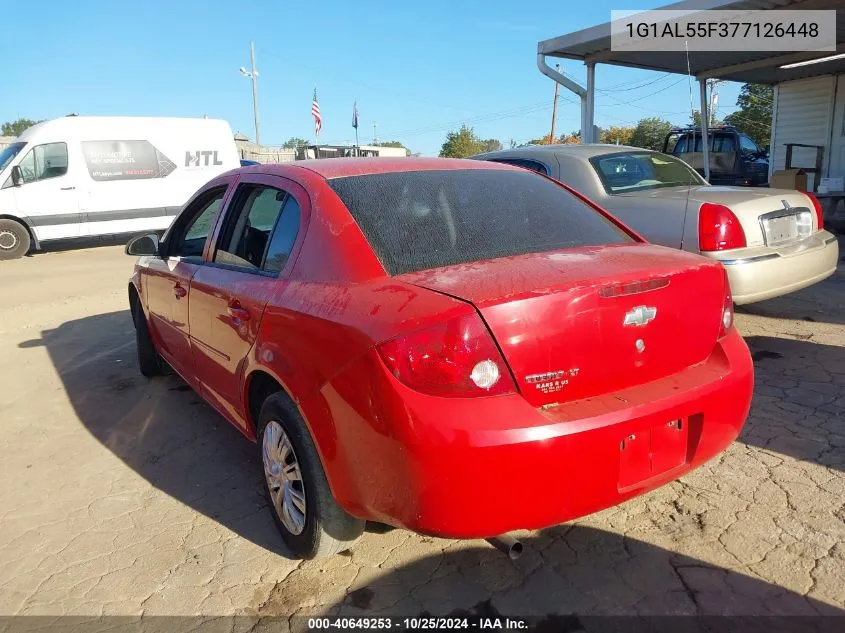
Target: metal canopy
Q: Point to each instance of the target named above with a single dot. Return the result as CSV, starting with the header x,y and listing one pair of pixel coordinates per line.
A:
x,y
592,46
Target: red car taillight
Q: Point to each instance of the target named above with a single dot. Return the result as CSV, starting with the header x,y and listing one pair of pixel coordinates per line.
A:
x,y
455,358
818,207
727,321
718,229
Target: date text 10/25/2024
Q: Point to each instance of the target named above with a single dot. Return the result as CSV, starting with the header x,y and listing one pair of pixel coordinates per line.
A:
x,y
420,623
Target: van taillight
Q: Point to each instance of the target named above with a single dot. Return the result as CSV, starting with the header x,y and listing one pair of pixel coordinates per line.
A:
x,y
727,310
455,358
818,207
718,229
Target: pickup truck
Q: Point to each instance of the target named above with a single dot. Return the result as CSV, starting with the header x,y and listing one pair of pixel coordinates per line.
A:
x,y
735,159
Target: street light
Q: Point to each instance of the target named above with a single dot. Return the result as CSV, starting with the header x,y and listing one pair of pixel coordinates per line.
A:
x,y
253,75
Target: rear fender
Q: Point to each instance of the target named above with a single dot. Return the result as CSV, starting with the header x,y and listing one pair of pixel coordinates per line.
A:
x,y
318,419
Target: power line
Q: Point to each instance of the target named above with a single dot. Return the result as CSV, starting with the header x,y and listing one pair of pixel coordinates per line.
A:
x,y
643,85
483,118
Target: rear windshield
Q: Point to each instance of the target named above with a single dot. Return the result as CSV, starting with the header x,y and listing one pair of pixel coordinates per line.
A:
x,y
426,219
718,143
637,171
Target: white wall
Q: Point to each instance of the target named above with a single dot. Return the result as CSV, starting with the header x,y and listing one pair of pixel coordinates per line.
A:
x,y
803,114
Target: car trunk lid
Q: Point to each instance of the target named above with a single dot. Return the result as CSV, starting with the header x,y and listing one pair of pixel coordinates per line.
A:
x,y
769,217
586,321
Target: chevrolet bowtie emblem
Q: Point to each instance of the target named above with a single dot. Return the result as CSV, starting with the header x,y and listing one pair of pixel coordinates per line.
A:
x,y
640,315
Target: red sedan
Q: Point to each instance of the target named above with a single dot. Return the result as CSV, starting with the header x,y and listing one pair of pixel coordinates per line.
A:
x,y
454,347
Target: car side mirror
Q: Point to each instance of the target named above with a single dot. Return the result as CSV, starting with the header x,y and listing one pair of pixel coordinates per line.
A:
x,y
142,245
17,176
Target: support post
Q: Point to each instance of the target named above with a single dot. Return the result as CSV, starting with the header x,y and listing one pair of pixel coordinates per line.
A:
x,y
587,135
705,137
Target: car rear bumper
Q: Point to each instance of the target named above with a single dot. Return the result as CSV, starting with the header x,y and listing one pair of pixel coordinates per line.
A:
x,y
767,273
479,467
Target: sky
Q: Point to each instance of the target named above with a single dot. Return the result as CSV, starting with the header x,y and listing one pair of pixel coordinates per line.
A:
x,y
416,69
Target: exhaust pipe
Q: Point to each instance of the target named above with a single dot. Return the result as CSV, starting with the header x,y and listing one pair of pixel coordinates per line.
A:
x,y
508,545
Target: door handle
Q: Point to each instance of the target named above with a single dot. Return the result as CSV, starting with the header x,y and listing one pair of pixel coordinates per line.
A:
x,y
237,312
179,291
68,188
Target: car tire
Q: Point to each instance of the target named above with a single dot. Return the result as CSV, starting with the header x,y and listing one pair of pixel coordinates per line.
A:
x,y
148,360
310,521
14,239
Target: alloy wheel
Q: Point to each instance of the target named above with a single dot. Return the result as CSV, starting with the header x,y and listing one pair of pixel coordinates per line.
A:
x,y
284,477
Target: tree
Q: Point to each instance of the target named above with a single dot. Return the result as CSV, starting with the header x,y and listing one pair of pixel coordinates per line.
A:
x,y
393,144
617,134
16,128
573,138
754,116
491,145
695,119
461,144
294,142
650,133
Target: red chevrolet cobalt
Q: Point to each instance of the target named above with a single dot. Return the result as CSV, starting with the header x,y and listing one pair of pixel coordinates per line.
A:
x,y
453,347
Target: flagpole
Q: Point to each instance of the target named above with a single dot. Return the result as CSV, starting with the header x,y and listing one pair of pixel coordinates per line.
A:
x,y
357,151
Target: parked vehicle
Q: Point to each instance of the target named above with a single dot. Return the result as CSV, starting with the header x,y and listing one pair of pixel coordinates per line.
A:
x,y
248,163
85,176
454,347
772,241
735,159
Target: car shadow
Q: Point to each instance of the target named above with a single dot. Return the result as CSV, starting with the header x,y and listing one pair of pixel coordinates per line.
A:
x,y
160,428
566,570
799,400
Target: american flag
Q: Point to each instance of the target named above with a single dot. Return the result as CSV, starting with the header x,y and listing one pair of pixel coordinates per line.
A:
x,y
315,112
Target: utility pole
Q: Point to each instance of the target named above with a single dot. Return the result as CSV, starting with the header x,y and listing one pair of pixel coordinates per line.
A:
x,y
713,84
253,75
255,94
554,108
375,138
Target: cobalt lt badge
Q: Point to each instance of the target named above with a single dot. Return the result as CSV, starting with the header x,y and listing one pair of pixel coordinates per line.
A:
x,y
640,316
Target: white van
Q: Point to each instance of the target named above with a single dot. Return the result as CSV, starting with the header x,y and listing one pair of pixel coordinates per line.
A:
x,y
84,176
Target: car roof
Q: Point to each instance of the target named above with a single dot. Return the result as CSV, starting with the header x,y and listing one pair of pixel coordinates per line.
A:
x,y
339,167
582,151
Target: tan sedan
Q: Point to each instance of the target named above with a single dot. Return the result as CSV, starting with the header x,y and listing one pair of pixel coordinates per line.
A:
x,y
771,241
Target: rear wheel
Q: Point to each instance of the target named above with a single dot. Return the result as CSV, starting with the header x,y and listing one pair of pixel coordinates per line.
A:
x,y
14,239
148,360
311,523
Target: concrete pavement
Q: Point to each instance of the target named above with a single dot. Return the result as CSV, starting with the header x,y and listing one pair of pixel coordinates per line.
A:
x,y
127,496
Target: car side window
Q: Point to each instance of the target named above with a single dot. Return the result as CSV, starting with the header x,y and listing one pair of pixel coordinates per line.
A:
x,y
189,241
724,143
43,162
260,230
284,237
747,145
533,165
